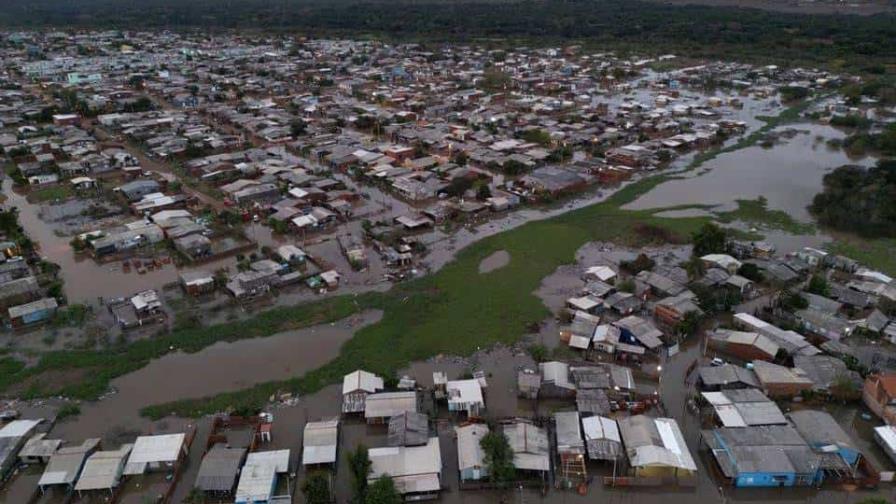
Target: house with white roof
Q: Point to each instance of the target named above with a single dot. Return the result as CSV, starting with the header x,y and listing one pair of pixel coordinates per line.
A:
x,y
259,477
465,395
356,386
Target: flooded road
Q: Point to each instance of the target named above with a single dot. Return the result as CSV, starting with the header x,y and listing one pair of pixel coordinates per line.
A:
x,y
788,174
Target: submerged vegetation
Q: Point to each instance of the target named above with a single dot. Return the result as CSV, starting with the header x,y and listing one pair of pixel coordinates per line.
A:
x,y
756,212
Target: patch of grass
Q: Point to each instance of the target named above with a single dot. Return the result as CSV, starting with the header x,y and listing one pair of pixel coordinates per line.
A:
x,y
51,193
9,367
877,253
67,411
757,212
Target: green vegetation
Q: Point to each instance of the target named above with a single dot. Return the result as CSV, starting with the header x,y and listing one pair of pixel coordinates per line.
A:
x,y
851,121
69,410
836,41
859,200
818,284
874,253
316,489
51,193
756,212
883,143
710,239
498,458
383,491
359,464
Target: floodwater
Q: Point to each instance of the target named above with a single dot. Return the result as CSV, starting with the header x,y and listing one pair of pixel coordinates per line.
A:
x,y
219,368
788,174
85,279
496,260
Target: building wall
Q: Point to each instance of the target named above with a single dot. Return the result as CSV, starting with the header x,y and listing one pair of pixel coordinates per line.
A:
x,y
765,480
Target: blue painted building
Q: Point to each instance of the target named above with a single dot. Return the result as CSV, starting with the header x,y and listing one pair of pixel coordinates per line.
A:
x,y
764,456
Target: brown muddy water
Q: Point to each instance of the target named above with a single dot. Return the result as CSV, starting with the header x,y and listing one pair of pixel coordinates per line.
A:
x,y
218,368
86,280
495,261
788,174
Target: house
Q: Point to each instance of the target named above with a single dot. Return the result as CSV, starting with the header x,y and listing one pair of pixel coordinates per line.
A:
x,y
356,386
34,312
602,439
766,456
780,381
416,470
555,380
885,435
570,446
465,395
38,449
219,470
381,406
656,447
636,330
66,464
726,377
723,261
103,471
744,408
135,190
827,371
672,310
879,395
13,437
791,342
531,447
259,478
409,428
623,303
824,435
319,443
747,346
197,283
600,273
156,453
470,456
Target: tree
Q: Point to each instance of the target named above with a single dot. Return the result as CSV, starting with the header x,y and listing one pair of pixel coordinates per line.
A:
x,y
695,267
383,491
483,193
316,489
689,324
638,264
297,128
751,272
710,239
498,457
818,284
359,463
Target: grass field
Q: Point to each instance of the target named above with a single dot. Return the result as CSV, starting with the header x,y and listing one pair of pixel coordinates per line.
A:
x,y
877,253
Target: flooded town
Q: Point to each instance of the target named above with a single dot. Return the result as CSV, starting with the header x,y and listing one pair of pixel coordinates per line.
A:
x,y
264,268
